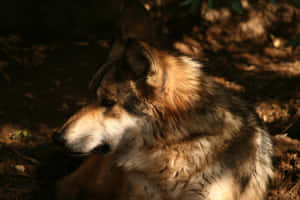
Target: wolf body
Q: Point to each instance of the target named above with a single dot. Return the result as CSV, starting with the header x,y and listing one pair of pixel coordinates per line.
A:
x,y
169,132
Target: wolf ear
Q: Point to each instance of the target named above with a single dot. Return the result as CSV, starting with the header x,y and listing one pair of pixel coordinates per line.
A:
x,y
145,62
140,59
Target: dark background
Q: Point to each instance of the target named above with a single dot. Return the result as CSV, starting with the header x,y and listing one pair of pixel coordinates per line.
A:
x,y
49,50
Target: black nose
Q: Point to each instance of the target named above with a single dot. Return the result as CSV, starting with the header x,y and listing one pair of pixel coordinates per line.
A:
x,y
58,138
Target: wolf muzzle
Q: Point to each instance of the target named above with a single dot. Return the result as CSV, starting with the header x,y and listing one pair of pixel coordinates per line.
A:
x,y
61,141
58,139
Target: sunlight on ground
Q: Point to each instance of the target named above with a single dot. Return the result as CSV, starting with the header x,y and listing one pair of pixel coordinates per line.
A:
x,y
6,131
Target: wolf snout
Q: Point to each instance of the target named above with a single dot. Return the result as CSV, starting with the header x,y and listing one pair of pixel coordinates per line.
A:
x,y
59,139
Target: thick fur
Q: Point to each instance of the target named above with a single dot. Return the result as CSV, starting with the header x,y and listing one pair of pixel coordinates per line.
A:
x,y
171,131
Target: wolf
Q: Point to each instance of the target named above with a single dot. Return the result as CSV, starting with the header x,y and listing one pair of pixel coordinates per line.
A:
x,y
161,128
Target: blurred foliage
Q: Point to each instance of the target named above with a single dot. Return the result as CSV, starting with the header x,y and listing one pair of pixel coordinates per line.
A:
x,y
234,4
194,4
296,3
189,2
294,42
19,134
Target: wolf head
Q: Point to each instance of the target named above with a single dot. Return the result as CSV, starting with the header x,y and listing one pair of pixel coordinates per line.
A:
x,y
140,91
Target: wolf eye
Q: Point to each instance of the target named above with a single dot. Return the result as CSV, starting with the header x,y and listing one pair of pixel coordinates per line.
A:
x,y
107,103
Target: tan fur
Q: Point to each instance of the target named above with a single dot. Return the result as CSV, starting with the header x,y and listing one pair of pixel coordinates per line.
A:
x,y
182,87
96,177
173,134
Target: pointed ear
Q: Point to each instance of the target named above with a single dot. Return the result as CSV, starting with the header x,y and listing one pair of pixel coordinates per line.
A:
x,y
140,58
116,53
145,63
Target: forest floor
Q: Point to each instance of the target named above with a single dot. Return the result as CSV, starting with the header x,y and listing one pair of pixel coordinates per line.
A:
x,y
43,83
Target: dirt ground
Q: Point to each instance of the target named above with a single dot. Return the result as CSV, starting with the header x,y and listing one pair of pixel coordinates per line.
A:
x,y
43,82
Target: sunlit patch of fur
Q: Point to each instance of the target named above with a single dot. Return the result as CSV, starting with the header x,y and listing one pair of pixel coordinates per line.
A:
x,y
223,188
91,127
182,88
263,169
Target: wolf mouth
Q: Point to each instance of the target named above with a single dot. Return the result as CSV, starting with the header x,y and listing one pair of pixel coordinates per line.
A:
x,y
100,149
